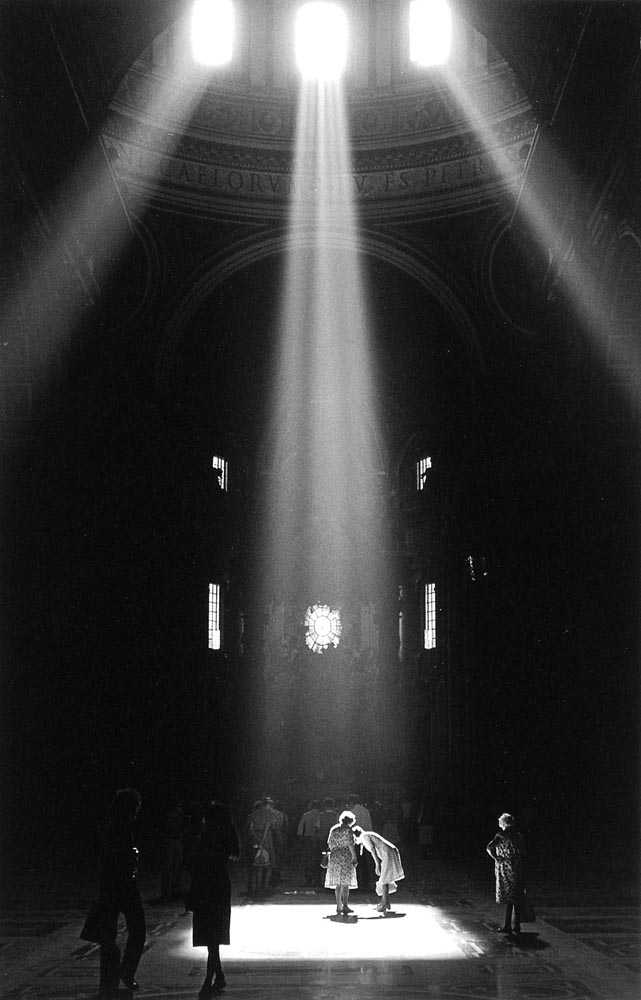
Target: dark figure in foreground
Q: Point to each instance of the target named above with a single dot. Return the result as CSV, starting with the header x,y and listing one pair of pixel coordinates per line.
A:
x,y
507,849
119,893
210,896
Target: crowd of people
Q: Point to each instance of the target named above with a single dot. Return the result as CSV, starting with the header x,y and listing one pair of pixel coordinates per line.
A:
x,y
339,851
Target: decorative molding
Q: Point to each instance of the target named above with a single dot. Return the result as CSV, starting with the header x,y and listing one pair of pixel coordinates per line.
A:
x,y
390,181
255,117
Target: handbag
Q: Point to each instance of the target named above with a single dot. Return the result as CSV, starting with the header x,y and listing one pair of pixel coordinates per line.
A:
x,y
261,855
527,912
324,859
98,927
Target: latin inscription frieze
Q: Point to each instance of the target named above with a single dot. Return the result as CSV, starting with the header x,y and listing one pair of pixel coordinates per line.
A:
x,y
256,183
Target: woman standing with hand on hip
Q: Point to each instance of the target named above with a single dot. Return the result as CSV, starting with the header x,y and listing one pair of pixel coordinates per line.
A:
x,y
507,849
341,869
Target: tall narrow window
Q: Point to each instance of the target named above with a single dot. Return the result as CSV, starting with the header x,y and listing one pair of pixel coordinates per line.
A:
x,y
422,472
212,31
220,466
429,615
430,32
214,634
321,41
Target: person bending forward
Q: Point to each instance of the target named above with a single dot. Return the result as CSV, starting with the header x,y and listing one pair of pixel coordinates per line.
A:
x,y
387,864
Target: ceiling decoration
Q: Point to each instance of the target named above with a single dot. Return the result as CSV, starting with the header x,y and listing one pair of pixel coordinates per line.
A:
x,y
224,141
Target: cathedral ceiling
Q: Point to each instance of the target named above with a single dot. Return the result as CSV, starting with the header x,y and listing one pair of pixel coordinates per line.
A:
x,y
422,142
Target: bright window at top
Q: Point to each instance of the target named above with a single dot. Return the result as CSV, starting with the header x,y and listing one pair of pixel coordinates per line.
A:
x,y
430,32
321,41
212,31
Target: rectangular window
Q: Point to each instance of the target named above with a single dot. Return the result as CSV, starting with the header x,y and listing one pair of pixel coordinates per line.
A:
x,y
429,614
214,635
220,467
422,467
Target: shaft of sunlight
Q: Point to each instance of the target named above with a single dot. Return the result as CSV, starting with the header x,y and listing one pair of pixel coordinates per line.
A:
x,y
579,279
90,213
324,421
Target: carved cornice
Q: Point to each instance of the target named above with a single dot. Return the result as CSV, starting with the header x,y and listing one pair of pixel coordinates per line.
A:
x,y
415,147
445,172
266,118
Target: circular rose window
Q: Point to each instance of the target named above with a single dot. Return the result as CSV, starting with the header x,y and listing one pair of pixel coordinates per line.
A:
x,y
323,627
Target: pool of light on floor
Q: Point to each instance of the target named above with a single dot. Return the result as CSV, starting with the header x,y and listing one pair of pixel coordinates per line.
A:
x,y
304,932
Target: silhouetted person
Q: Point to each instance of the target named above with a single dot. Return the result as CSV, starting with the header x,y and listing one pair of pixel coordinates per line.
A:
x,y
327,817
279,827
309,839
507,849
119,893
260,843
210,894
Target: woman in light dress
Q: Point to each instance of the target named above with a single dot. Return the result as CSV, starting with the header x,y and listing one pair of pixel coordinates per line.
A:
x,y
341,869
387,864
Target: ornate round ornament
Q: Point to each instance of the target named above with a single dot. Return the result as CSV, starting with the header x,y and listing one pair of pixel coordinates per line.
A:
x,y
323,627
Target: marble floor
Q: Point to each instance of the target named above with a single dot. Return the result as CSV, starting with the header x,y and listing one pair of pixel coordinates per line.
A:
x,y
439,941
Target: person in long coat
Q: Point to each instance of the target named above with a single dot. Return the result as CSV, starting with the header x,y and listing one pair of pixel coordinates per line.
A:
x,y
210,894
507,849
341,869
119,893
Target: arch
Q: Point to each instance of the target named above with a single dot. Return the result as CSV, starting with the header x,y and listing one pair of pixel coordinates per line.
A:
x,y
419,266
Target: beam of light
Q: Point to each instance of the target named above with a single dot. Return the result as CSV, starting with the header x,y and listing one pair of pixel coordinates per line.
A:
x,y
430,32
579,281
324,419
321,41
303,932
90,221
212,31
325,533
